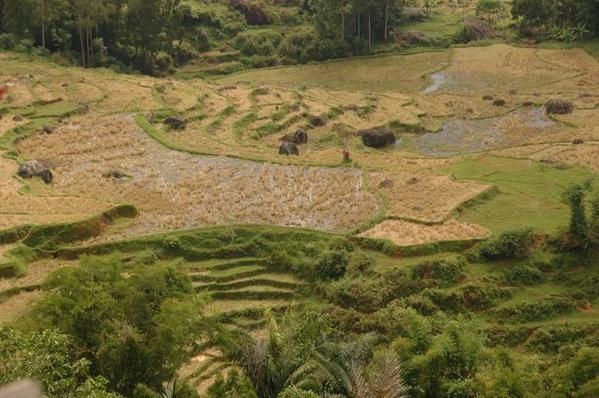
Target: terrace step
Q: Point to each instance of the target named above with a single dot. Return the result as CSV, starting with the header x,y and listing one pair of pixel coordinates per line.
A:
x,y
222,264
223,277
264,280
254,294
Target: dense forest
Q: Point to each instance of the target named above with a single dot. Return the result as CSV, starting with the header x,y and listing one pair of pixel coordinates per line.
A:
x,y
155,36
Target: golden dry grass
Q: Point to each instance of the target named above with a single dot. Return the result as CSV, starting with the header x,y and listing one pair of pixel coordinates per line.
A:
x,y
423,197
17,306
405,233
176,190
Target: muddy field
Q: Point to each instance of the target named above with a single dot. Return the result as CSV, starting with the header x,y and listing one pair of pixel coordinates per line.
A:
x,y
175,190
441,106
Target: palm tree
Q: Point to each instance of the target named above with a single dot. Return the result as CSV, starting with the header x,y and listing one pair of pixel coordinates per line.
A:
x,y
296,359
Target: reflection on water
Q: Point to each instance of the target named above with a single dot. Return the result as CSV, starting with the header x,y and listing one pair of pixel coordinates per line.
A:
x,y
470,136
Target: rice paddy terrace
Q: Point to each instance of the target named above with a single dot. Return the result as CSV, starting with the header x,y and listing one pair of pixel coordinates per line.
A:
x,y
476,155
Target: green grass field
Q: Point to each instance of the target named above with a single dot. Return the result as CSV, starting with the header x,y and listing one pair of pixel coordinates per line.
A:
x,y
530,193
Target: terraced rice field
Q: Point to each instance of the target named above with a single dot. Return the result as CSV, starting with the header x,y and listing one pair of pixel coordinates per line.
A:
x,y
242,289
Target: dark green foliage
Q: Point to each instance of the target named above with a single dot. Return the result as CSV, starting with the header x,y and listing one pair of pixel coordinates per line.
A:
x,y
578,221
577,16
331,265
263,42
134,330
535,310
448,270
233,385
509,245
550,339
51,358
524,275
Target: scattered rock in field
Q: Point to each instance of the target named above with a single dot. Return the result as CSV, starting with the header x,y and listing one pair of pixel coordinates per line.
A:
x,y
318,121
488,97
65,84
175,123
288,148
299,137
262,90
577,141
378,137
17,118
413,181
226,88
513,92
558,107
548,161
386,184
35,168
48,130
499,102
528,103
117,175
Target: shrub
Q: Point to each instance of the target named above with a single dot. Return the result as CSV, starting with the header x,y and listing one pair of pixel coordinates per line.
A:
x,y
360,263
474,30
263,42
447,270
535,310
164,63
7,41
508,245
331,265
524,275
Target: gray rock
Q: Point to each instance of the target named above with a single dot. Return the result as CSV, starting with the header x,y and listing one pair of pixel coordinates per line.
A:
x,y
34,168
288,148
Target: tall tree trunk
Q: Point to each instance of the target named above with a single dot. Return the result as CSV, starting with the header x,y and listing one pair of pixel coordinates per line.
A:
x,y
342,25
359,26
369,28
43,32
44,23
82,47
386,20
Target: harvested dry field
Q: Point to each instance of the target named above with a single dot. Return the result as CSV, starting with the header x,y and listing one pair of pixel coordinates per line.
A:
x,y
405,233
424,197
176,190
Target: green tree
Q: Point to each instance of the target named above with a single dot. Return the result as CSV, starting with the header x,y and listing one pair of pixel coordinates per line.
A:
x,y
49,357
579,228
135,329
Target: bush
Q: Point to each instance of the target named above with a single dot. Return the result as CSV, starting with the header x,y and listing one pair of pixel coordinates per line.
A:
x,y
164,63
474,30
7,41
306,46
331,265
360,263
535,310
509,245
263,42
524,275
447,270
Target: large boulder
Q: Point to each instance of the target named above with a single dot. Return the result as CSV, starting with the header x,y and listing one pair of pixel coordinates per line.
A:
x,y
318,121
298,138
175,123
288,148
379,137
35,168
558,107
